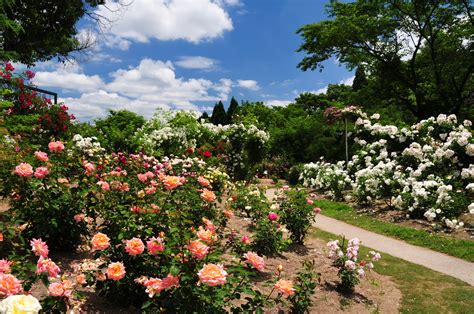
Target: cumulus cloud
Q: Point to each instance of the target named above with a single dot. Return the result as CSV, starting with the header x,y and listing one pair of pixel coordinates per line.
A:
x,y
277,103
196,62
191,20
143,88
347,81
248,84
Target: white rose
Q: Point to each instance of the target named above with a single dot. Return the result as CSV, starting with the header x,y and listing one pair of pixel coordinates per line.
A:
x,y
20,304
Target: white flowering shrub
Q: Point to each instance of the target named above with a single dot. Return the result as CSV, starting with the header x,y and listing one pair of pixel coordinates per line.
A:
x,y
241,146
327,177
87,146
424,169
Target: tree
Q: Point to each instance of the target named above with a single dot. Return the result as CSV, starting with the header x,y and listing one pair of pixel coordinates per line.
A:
x,y
204,116
424,48
218,114
231,110
32,30
118,129
360,79
312,102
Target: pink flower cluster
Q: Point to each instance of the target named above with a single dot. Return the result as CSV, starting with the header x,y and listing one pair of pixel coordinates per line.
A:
x,y
154,286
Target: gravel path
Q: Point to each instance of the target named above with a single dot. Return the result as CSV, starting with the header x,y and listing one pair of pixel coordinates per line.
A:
x,y
440,262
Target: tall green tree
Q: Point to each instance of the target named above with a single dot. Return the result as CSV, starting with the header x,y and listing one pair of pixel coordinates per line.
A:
x,y
32,30
219,115
421,50
233,106
312,102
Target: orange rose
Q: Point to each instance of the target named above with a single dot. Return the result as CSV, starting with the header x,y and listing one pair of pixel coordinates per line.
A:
x,y
100,241
134,246
206,235
255,260
172,182
208,195
24,169
198,249
115,271
285,287
212,275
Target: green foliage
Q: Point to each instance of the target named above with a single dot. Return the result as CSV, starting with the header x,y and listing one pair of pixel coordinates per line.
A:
x,y
297,213
305,286
118,128
268,238
418,52
294,175
41,30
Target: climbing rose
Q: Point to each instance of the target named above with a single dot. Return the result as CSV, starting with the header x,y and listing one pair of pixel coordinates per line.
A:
x,y
24,170
134,246
56,147
256,261
41,172
115,271
100,241
208,195
39,247
9,285
198,249
285,287
212,275
41,156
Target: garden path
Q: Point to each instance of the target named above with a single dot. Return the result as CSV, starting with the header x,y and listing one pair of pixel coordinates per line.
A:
x,y
442,263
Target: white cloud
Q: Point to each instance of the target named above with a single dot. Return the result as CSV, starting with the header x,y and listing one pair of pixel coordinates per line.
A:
x,y
321,90
347,81
196,62
190,20
69,77
150,84
277,103
249,84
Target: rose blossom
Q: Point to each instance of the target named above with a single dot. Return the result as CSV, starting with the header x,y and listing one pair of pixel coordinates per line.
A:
x,y
47,265
60,289
41,156
245,240
206,235
212,275
115,271
170,281
5,266
255,260
81,279
56,147
351,265
20,304
228,213
273,216
39,247
9,285
285,287
172,182
142,177
134,246
153,286
198,249
41,172
208,195
100,241
155,245
24,169
316,210
309,201
203,181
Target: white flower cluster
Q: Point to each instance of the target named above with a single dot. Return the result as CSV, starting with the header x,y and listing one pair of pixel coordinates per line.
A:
x,y
328,177
89,146
425,169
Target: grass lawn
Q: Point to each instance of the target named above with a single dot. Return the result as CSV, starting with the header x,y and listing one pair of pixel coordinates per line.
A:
x,y
441,243
423,290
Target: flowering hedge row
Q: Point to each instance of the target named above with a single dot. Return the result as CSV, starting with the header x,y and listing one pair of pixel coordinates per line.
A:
x,y
425,169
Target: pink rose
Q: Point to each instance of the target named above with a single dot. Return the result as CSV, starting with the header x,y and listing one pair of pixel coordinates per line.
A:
x,y
41,172
56,147
134,246
316,210
41,156
24,170
273,216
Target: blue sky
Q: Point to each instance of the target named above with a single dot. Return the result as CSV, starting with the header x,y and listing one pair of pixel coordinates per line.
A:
x,y
188,54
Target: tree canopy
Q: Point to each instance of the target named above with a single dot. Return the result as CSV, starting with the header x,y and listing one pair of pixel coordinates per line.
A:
x,y
32,30
422,51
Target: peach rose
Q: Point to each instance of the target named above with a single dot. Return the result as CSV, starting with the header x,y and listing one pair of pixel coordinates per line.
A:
x,y
285,287
134,246
256,261
212,275
39,247
208,195
5,266
41,156
56,289
115,271
46,265
56,147
203,182
24,170
153,286
172,182
170,281
100,242
198,249
41,172
81,279
105,186
142,177
155,245
206,235
9,285
229,213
